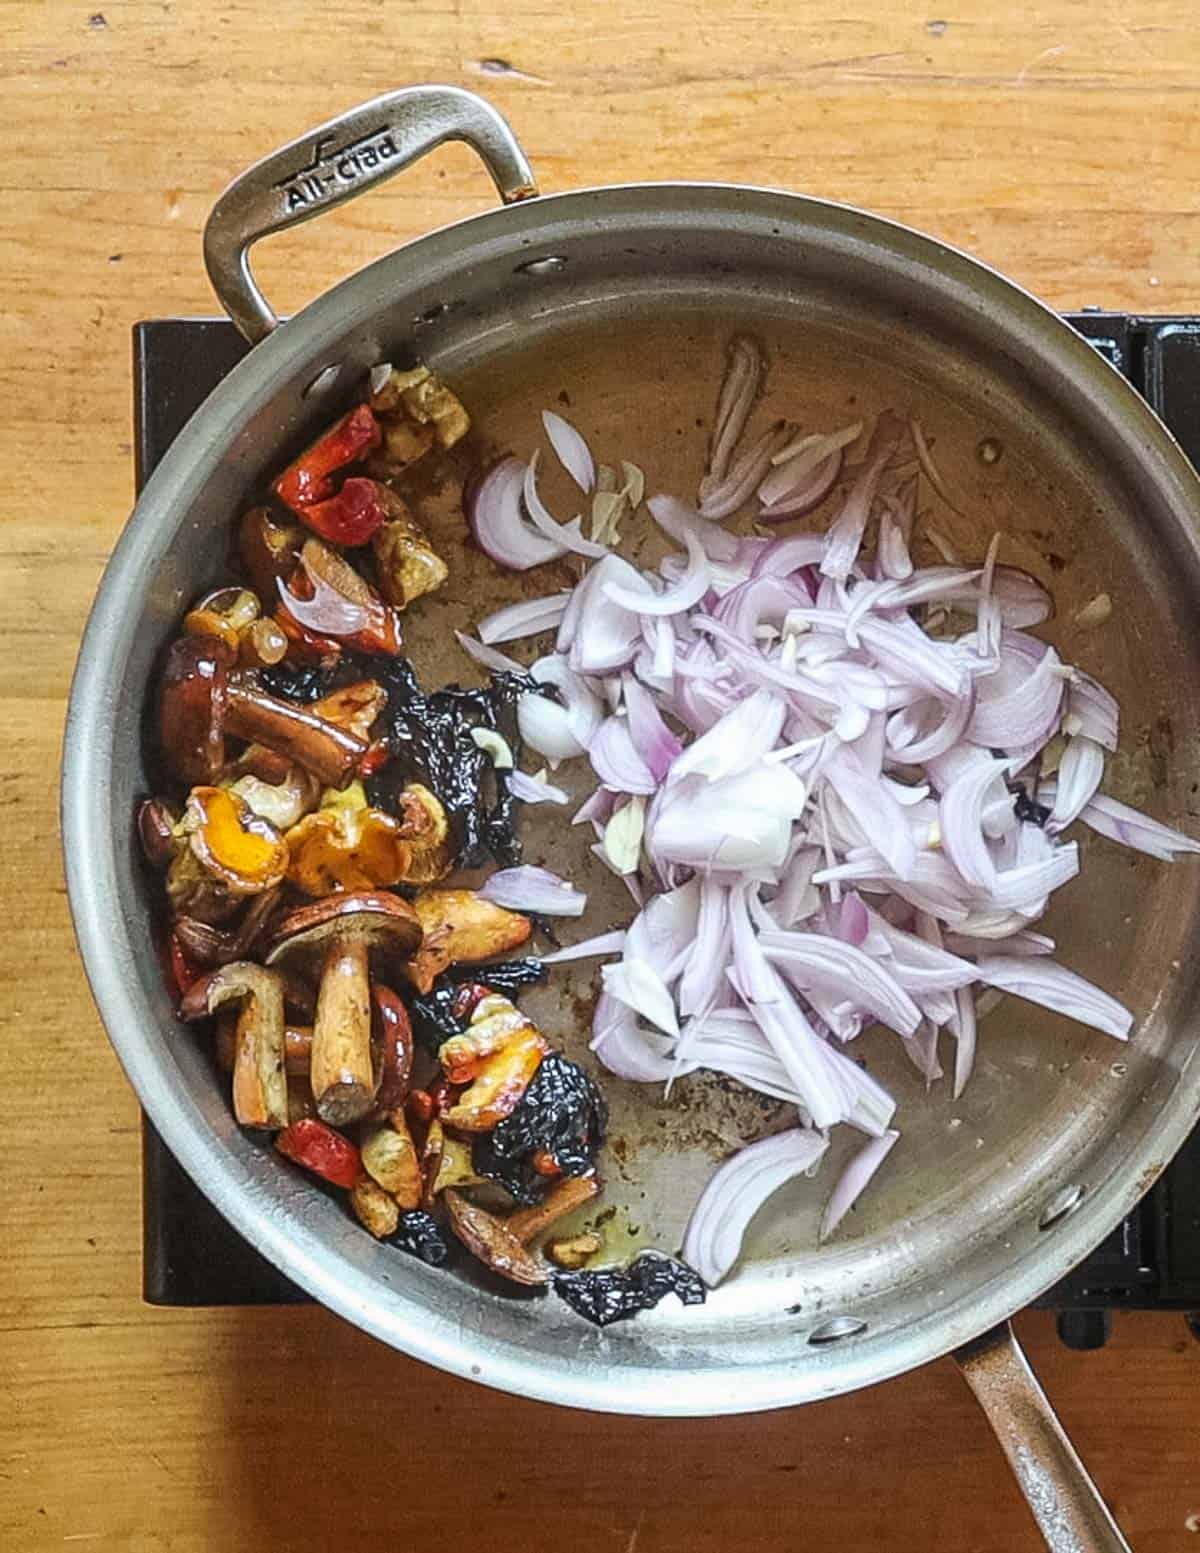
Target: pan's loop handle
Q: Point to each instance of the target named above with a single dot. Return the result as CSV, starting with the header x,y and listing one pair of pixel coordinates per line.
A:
x,y
337,161
1065,1502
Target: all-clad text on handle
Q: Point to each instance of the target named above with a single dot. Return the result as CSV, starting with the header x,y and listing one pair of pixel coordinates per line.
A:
x,y
337,161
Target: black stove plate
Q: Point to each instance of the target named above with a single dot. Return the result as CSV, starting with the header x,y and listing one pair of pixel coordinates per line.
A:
x,y
191,1256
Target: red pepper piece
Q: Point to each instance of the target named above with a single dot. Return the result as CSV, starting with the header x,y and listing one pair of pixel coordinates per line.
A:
x,y
183,973
350,517
377,756
308,479
545,1163
322,1150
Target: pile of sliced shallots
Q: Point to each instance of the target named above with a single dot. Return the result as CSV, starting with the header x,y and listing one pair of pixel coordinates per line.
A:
x,y
836,786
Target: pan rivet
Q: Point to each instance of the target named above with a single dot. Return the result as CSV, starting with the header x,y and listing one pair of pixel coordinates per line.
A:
x,y
1064,1201
325,379
835,1329
989,451
546,266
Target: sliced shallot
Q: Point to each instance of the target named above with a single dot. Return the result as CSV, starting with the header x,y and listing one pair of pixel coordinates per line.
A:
x,y
571,450
737,1190
534,889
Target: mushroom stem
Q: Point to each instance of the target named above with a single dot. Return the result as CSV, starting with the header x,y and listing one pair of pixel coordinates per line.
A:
x,y
297,1046
323,748
343,1080
259,1086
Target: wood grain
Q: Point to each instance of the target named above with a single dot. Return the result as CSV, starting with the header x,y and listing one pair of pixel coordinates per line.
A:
x,y
1058,139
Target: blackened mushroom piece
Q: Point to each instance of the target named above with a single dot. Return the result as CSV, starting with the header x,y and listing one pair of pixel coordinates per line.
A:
x,y
260,1097
202,700
420,1236
610,1294
561,1115
336,938
490,1239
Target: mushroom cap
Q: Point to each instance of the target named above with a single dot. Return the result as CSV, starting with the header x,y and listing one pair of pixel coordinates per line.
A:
x,y
244,978
191,706
374,917
237,846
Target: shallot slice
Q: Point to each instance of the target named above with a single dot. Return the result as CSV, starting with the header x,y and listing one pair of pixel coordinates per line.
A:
x,y
571,450
534,889
494,511
855,1179
1055,987
736,1191
743,379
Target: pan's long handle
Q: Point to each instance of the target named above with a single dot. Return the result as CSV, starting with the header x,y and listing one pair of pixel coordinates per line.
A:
x,y
337,161
1065,1502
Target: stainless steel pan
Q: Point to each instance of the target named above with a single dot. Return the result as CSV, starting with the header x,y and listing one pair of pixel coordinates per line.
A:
x,y
621,299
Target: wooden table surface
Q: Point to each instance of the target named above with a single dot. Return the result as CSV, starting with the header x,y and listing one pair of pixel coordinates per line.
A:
x,y
1058,139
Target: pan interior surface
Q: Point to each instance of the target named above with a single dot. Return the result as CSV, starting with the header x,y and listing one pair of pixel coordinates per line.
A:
x,y
629,342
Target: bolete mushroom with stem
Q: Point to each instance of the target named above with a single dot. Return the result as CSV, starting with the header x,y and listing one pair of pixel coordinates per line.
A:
x,y
203,698
260,1096
336,938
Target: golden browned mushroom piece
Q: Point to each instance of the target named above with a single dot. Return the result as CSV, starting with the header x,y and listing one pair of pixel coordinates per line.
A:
x,y
574,1253
407,564
461,928
225,854
494,1022
260,1096
562,1198
375,1209
347,845
427,831
354,707
343,848
390,1158
497,1055
202,699
228,614
234,616
491,1240
452,1158
336,938
417,398
283,803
